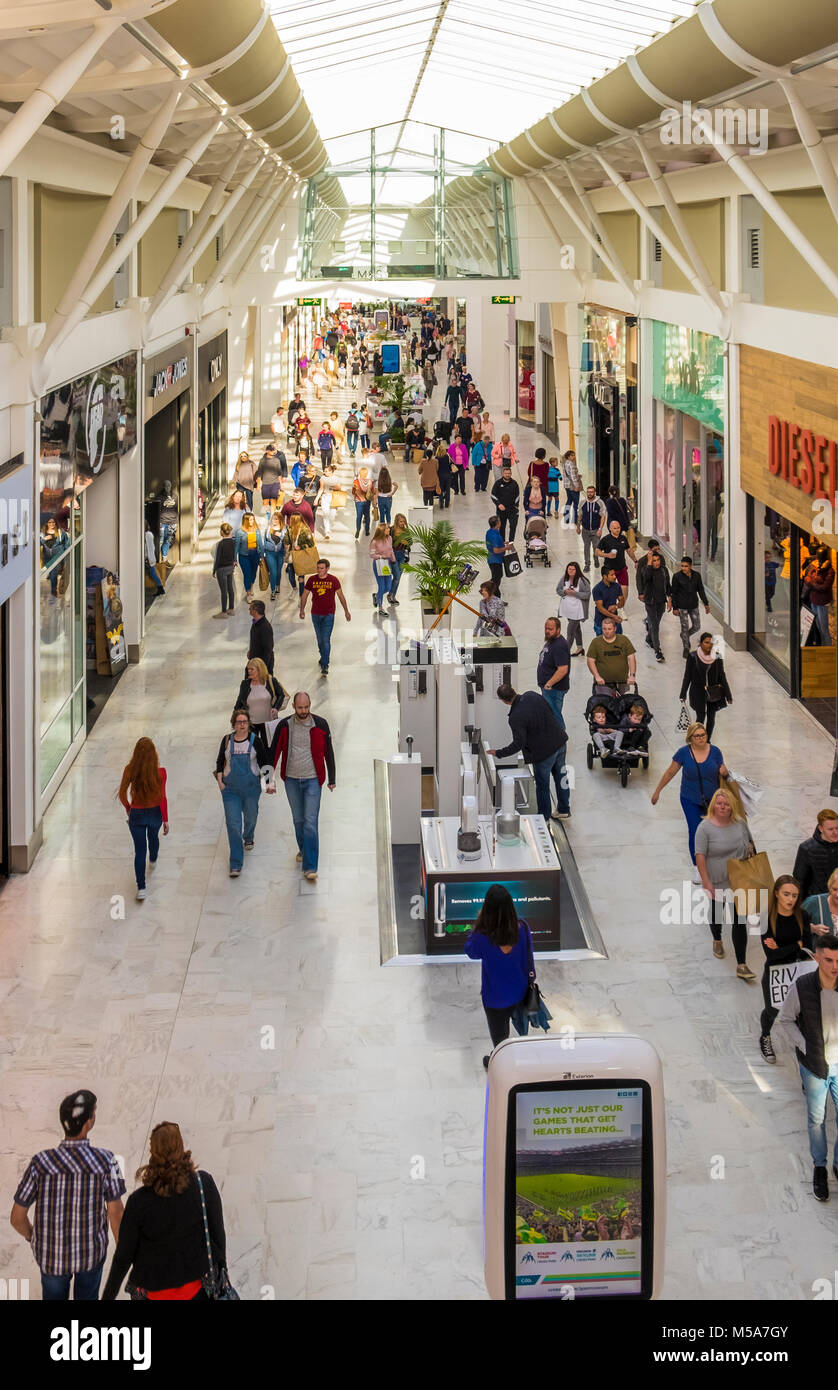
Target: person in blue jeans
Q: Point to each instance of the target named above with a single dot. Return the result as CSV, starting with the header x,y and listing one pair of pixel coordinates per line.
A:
x,y
353,426
809,1016
702,766
249,549
242,758
401,551
538,735
324,589
142,793
304,754
275,550
77,1190
553,675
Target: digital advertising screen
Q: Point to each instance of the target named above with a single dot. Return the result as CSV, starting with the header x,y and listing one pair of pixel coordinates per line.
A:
x,y
579,1191
389,357
455,902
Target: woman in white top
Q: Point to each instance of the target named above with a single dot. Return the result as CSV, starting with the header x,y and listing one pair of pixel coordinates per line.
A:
x,y
318,380
328,483
574,593
261,695
488,430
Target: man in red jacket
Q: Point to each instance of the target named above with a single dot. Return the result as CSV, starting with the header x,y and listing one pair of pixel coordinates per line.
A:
x,y
306,759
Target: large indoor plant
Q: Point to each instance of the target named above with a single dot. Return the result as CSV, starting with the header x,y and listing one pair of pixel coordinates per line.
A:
x,y
442,558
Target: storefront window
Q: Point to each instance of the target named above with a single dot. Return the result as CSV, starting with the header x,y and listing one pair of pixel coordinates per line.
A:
x,y
817,629
772,599
607,407
56,600
525,341
688,379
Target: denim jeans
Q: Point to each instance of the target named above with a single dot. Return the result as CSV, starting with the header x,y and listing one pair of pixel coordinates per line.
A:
x,y
352,441
323,624
249,562
821,612
365,440
56,1287
555,699
241,793
816,1091
396,567
571,506
304,799
150,570
385,507
167,536
384,584
275,559
362,514
554,767
144,823
693,815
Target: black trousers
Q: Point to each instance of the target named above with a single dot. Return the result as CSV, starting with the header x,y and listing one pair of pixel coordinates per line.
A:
x,y
705,713
498,1021
497,575
481,477
458,481
768,1014
739,932
508,519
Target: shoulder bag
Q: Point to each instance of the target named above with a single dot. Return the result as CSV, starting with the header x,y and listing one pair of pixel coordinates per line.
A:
x,y
216,1281
714,691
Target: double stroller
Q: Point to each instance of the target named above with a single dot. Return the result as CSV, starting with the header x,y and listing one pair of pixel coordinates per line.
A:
x,y
535,542
621,738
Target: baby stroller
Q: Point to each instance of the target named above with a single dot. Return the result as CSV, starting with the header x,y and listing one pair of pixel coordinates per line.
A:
x,y
535,542
632,743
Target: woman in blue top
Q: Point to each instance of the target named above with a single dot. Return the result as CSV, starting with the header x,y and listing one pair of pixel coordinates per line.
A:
x,y
502,944
702,767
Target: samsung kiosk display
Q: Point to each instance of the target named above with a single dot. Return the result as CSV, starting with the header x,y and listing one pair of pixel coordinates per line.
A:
x,y
574,1168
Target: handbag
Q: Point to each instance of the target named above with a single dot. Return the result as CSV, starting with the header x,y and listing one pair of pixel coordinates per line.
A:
x,y
305,561
264,576
339,498
216,1281
683,721
511,564
753,874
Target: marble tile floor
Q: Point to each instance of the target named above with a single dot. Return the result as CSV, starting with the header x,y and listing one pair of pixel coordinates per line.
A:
x,y
340,1104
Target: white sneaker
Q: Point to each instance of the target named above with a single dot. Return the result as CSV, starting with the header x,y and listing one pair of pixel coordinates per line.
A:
x,y
140,895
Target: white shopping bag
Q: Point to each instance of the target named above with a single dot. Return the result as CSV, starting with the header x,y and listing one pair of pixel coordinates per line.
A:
x,y
750,792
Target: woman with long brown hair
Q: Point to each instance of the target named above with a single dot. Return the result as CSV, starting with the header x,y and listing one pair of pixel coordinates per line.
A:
x,y
162,1239
787,938
142,792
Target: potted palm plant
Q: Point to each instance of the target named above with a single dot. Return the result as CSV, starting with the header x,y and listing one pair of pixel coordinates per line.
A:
x,y
442,558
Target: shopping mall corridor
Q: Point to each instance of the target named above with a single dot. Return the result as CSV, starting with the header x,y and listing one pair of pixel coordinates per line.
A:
x,y
339,1104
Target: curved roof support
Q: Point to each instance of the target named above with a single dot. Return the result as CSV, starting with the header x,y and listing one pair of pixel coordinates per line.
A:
x,y
176,272
52,89
276,125
598,249
251,227
125,190
598,225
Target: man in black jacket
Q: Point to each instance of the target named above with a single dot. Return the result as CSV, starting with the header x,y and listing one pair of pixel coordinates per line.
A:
x,y
505,495
537,734
261,636
809,1015
687,589
818,856
656,598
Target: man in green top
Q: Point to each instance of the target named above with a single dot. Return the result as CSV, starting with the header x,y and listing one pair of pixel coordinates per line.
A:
x,y
611,659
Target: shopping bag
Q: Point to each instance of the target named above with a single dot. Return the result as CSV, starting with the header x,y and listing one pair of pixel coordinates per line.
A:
x,y
339,498
751,875
749,792
417,455
683,719
511,564
264,574
305,561
382,568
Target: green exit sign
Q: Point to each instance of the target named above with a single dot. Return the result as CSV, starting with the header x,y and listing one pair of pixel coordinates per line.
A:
x,y
503,298
308,303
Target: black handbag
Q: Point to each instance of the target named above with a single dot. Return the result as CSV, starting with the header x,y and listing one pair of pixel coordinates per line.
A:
x,y
714,692
216,1281
531,1003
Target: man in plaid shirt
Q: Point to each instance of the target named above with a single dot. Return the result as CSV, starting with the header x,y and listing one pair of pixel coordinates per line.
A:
x,y
77,1190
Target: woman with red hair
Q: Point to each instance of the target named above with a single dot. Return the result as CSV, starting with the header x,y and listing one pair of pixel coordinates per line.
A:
x,y
142,792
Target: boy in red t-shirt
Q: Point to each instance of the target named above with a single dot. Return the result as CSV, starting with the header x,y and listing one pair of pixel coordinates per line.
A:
x,y
324,589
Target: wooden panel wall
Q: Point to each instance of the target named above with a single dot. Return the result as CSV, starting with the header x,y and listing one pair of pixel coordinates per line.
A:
x,y
806,395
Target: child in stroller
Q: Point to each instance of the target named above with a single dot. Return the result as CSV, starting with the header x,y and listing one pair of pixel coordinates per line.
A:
x,y
535,542
619,729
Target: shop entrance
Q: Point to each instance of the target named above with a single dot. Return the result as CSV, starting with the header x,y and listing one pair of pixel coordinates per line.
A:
x,y
551,419
105,655
791,610
212,455
4,749
167,457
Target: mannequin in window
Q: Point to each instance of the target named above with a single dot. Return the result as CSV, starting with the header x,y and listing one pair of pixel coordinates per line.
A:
x,y
168,519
